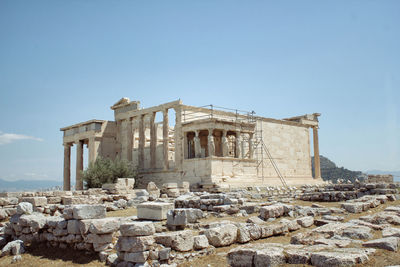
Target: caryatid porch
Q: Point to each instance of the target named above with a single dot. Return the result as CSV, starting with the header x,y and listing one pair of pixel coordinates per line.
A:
x,y
218,138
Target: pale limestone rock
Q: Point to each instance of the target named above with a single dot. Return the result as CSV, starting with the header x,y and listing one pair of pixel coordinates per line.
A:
x,y
222,235
272,211
84,226
353,207
52,221
81,212
306,221
270,256
24,208
292,225
241,257
255,220
200,242
358,232
134,244
388,243
164,253
181,217
137,257
340,257
154,210
35,221
35,201
179,240
137,228
14,248
104,226
255,231
102,239
279,228
243,235
298,256
391,231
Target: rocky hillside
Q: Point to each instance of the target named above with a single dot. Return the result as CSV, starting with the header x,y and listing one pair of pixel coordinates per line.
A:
x,y
329,171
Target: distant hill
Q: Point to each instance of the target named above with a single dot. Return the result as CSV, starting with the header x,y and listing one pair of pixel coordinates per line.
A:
x,y
27,185
329,171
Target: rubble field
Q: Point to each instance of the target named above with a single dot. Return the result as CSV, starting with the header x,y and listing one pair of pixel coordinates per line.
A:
x,y
312,225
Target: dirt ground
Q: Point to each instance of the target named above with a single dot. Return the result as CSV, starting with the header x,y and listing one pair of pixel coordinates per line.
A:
x,y
41,255
380,259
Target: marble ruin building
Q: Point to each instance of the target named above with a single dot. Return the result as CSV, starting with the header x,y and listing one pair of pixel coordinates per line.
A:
x,y
207,146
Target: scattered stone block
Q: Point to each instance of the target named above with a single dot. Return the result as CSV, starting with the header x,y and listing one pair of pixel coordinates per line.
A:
x,y
388,243
272,211
35,201
353,207
102,239
104,226
181,217
306,221
154,210
241,257
200,242
255,220
137,228
391,231
270,256
136,257
24,208
15,247
357,232
135,244
179,240
82,212
224,235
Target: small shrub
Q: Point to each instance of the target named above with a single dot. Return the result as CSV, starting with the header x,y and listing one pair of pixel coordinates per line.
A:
x,y
105,170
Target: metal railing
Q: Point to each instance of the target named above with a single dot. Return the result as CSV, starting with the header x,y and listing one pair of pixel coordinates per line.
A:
x,y
211,112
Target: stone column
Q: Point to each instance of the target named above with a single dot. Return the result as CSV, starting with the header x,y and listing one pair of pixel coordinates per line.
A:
x,y
251,152
79,165
211,144
141,142
178,138
197,146
67,167
153,141
224,143
239,145
317,167
129,143
93,149
165,139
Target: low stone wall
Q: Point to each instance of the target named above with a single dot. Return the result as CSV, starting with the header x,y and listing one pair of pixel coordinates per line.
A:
x,y
81,227
388,178
342,192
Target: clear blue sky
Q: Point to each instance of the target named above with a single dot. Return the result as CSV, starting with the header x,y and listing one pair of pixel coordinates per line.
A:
x,y
63,62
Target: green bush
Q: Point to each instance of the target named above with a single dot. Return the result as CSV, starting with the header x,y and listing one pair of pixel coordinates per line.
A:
x,y
105,170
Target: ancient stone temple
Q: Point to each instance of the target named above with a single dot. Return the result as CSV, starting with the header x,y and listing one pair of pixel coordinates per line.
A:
x,y
205,146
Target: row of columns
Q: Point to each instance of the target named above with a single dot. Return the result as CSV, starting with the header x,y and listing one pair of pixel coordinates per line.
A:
x,y
153,139
93,145
224,142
